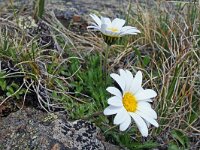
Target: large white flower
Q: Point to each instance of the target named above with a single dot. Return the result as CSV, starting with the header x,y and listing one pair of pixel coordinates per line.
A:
x,y
132,102
114,28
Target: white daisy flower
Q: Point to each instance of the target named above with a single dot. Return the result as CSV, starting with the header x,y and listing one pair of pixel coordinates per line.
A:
x,y
115,28
132,102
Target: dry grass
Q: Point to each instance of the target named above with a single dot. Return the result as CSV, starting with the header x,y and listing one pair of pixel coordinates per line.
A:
x,y
171,39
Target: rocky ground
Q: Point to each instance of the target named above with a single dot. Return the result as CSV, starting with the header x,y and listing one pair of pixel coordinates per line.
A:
x,y
34,129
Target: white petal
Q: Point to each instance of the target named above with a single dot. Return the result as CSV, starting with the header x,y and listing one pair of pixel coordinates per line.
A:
x,y
136,83
123,75
147,118
106,21
146,108
123,126
146,100
140,124
132,32
114,91
129,75
95,24
118,23
110,110
129,30
129,80
144,104
96,19
120,81
94,27
121,116
103,28
115,101
125,28
145,94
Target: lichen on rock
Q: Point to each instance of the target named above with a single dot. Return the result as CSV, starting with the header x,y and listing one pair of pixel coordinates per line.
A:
x,y
30,129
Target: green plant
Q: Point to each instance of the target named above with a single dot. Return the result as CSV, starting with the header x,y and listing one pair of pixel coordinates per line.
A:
x,y
39,9
128,140
3,83
13,89
182,140
87,86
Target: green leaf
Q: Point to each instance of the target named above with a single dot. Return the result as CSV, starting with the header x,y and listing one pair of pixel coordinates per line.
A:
x,y
39,8
8,94
146,145
137,52
146,60
174,81
3,84
173,146
10,90
193,117
181,138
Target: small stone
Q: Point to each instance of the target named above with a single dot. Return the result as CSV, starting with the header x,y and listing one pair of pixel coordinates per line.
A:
x,y
56,147
76,18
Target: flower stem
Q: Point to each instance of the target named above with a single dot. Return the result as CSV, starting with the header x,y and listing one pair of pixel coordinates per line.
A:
x,y
105,69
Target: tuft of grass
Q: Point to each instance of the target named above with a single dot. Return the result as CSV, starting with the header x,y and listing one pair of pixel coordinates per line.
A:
x,y
39,9
170,37
31,66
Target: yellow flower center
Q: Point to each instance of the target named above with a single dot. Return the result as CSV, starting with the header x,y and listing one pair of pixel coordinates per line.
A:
x,y
129,102
113,29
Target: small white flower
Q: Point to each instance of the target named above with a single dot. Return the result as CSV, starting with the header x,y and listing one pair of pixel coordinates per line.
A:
x,y
112,29
132,102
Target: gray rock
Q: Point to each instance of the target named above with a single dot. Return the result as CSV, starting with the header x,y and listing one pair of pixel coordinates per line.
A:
x,y
37,130
78,134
